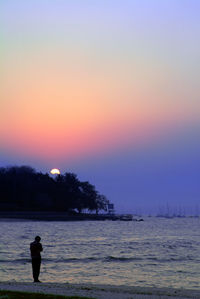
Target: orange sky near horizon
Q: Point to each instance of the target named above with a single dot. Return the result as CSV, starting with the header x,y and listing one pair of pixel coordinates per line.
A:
x,y
68,96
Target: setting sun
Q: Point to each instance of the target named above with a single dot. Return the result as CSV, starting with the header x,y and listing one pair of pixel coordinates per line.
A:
x,y
55,171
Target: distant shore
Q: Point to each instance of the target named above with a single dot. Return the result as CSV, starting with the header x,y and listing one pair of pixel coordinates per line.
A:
x,y
61,216
101,291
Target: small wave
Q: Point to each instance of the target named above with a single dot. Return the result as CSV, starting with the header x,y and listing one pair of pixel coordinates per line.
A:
x,y
24,237
72,260
69,260
101,259
24,260
170,259
76,260
121,259
96,259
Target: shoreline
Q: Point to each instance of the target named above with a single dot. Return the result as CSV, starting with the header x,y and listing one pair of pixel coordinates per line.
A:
x,y
62,216
101,291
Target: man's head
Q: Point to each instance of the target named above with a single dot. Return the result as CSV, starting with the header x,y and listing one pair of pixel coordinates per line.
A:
x,y
37,238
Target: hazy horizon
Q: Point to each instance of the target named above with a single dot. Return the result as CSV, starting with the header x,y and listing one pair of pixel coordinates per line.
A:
x,y
108,90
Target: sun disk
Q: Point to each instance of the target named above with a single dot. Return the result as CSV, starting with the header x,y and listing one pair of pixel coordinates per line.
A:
x,y
55,171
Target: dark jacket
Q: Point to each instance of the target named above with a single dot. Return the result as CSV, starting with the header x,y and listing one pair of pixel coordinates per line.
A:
x,y
36,248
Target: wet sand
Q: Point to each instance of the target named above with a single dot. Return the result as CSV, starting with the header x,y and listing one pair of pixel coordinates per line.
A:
x,y
101,291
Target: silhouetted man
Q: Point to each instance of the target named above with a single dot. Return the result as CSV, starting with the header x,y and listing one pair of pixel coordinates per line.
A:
x,y
36,248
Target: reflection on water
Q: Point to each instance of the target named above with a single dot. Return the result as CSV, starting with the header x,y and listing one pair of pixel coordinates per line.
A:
x,y
156,252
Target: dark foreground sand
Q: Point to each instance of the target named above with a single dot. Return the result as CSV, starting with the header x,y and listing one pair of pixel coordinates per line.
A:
x,y
101,291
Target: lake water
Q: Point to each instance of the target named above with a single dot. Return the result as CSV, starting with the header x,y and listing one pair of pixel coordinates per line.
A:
x,y
157,252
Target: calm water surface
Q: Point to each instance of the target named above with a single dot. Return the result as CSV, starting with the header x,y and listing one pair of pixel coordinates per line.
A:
x,y
156,252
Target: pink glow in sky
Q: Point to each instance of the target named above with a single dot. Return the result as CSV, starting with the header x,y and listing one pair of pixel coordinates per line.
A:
x,y
91,78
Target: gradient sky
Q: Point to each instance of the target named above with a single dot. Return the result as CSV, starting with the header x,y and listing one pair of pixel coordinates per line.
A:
x,y
108,90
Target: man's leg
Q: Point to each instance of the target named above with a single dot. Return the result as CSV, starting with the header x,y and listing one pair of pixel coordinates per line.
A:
x,y
36,268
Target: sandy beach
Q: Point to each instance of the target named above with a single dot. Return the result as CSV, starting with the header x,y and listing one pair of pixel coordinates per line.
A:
x,y
101,291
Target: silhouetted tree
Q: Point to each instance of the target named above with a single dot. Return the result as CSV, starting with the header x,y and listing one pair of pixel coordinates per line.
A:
x,y
24,189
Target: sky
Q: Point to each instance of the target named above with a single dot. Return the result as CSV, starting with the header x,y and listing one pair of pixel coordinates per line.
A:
x,y
108,90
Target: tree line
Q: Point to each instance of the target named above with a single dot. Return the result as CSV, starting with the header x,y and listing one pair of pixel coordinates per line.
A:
x,y
24,189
